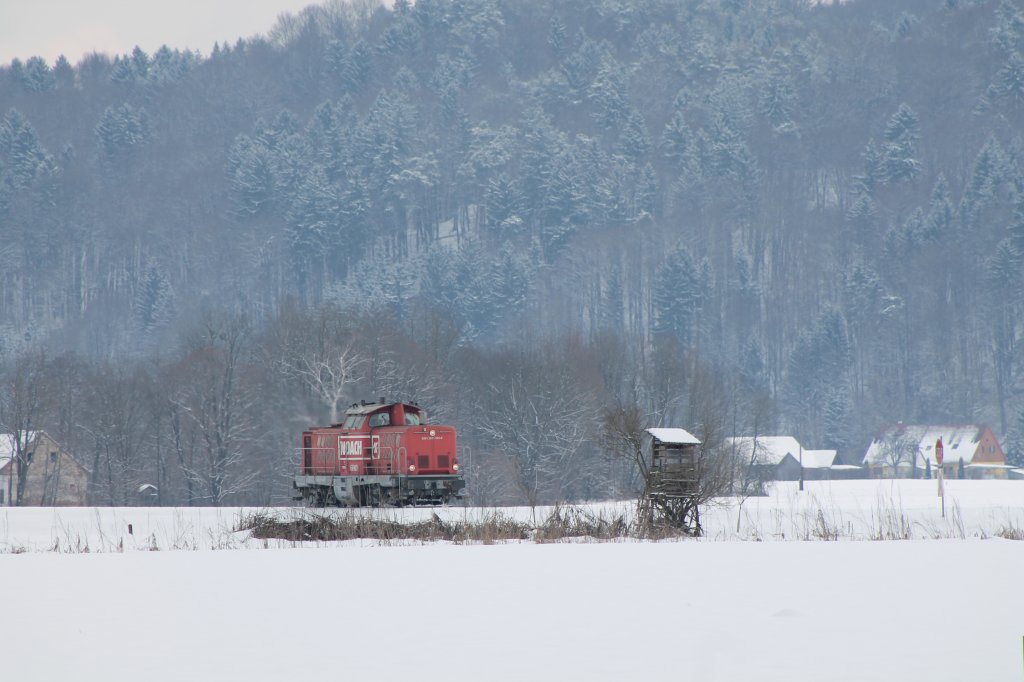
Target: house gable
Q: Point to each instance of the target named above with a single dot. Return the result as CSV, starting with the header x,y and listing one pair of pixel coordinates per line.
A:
x,y
988,450
53,476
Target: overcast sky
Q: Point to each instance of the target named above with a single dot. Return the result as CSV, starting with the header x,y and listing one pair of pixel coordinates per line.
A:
x,y
77,27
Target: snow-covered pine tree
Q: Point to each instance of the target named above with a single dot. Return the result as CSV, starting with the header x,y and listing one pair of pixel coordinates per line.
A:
x,y
680,289
899,151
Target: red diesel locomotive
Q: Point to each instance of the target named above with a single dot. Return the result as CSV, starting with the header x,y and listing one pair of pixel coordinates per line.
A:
x,y
382,454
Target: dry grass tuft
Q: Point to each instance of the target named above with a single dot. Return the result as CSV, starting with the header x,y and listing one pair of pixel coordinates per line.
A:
x,y
564,523
320,527
1010,531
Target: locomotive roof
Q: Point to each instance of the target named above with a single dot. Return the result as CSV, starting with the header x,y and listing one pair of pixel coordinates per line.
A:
x,y
373,407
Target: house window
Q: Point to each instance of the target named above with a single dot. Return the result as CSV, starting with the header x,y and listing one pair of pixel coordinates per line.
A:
x,y
1,496
53,456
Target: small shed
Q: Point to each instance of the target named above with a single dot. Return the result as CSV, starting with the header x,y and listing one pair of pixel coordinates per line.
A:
x,y
147,495
824,465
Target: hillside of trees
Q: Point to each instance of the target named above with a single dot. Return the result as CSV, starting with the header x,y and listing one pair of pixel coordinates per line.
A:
x,y
735,216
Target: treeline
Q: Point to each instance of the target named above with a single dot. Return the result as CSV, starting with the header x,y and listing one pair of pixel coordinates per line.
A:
x,y
822,200
218,421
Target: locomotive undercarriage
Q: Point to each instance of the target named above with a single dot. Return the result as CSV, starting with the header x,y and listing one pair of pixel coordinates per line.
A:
x,y
378,491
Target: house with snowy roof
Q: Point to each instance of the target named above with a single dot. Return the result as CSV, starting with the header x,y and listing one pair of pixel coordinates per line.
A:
x,y
52,476
785,456
908,451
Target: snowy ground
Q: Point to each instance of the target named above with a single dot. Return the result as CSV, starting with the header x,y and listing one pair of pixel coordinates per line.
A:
x,y
715,609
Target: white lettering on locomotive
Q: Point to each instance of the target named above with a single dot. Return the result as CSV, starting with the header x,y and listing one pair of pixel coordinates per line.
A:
x,y
350,448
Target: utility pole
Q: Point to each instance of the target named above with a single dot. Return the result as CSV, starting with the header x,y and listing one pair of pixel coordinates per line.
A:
x,y
801,467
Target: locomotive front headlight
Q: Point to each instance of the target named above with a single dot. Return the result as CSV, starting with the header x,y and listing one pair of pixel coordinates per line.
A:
x,y
412,467
455,467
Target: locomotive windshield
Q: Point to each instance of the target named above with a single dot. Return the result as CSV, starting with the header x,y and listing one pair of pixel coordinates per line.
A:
x,y
354,421
413,419
380,419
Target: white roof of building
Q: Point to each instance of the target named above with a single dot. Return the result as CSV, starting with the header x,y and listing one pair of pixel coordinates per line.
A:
x,y
818,459
770,449
674,436
958,442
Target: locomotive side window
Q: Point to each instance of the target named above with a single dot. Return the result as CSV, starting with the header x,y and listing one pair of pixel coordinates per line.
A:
x,y
412,419
353,421
380,419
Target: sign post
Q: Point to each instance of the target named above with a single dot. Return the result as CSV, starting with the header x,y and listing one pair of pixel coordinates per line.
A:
x,y
938,461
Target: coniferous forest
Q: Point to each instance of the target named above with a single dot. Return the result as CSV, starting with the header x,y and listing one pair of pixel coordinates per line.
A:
x,y
734,216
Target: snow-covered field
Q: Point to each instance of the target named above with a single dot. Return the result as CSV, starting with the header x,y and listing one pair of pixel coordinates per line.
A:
x,y
215,605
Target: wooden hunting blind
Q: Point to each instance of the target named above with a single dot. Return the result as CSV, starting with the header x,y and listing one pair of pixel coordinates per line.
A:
x,y
672,483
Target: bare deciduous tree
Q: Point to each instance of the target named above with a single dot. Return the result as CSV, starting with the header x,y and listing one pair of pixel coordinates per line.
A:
x,y
23,407
900,448
215,403
624,431
752,473
537,416
329,373
116,424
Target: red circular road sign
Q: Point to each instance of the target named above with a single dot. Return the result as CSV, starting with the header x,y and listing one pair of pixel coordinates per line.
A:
x,y
938,451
